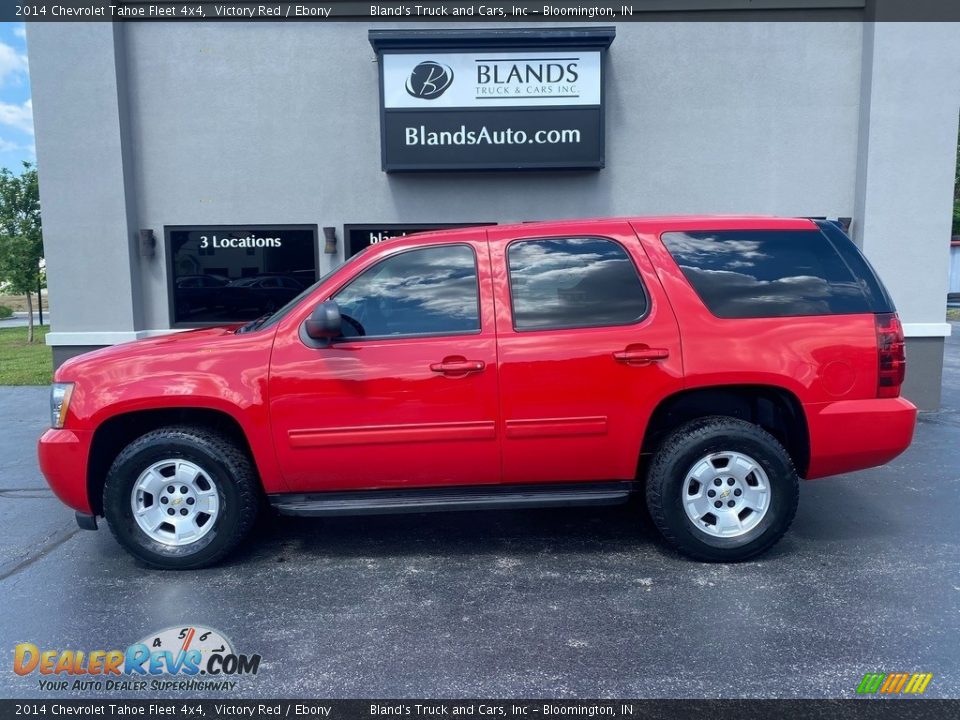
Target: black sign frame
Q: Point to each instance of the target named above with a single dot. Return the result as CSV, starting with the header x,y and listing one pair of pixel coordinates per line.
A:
x,y
520,40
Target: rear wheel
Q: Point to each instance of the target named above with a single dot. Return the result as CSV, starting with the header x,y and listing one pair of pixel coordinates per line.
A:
x,y
722,490
181,497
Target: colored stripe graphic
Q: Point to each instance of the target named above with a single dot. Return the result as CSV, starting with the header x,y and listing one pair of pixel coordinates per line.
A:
x,y
894,683
918,683
870,683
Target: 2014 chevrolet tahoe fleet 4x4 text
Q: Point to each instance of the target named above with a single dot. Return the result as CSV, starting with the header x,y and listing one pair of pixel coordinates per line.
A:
x,y
706,362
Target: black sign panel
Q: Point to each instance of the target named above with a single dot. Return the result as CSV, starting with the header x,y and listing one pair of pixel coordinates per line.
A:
x,y
220,274
493,139
358,237
492,100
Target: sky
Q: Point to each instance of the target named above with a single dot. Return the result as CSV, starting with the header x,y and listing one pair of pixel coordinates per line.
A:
x,y
16,109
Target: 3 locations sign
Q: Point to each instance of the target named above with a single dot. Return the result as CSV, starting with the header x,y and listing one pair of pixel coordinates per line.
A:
x,y
494,100
227,273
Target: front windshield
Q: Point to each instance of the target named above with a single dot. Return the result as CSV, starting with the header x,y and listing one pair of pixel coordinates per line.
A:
x,y
268,320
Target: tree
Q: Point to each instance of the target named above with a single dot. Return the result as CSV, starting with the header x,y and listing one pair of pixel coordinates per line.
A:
x,y
21,241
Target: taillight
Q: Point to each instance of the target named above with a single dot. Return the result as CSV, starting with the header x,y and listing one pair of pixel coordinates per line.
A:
x,y
892,360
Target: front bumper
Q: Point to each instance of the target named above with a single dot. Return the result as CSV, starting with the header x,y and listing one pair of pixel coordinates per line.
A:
x,y
63,461
853,435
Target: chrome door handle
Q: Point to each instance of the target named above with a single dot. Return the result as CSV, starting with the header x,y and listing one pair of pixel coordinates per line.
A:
x,y
458,366
641,355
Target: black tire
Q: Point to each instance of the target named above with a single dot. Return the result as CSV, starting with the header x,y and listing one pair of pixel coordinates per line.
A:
x,y
229,468
675,458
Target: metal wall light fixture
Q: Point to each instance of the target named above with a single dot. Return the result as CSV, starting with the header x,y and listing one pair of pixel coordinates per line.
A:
x,y
330,238
148,243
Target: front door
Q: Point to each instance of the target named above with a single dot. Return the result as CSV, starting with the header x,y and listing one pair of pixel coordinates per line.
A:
x,y
408,397
588,345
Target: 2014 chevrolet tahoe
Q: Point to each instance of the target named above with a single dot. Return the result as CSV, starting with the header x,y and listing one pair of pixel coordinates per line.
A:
x,y
706,363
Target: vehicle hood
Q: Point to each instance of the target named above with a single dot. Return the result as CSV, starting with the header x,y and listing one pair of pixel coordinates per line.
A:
x,y
182,351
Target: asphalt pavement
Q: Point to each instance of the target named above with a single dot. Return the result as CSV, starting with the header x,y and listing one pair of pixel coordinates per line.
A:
x,y
543,603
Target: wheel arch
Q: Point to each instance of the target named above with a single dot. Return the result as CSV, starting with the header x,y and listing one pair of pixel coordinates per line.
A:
x,y
116,432
776,409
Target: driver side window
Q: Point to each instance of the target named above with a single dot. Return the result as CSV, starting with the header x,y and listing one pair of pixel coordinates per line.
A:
x,y
429,291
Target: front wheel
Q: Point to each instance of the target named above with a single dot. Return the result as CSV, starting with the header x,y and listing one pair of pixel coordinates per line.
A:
x,y
180,498
722,490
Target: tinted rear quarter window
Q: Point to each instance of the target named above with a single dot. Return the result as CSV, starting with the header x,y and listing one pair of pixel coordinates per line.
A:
x,y
767,273
562,283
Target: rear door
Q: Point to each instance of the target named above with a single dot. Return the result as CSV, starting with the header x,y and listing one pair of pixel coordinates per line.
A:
x,y
588,345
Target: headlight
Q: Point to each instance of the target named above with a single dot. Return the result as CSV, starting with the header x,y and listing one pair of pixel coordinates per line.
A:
x,y
59,402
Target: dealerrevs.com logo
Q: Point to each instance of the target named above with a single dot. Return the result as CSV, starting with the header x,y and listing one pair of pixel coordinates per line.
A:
x,y
177,658
429,80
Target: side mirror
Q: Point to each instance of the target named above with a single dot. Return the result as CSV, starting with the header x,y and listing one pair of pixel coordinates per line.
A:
x,y
324,322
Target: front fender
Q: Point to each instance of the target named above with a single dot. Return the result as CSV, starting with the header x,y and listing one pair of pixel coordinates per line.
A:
x,y
210,370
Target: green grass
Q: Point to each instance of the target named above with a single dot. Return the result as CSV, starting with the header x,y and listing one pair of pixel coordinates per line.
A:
x,y
953,313
23,364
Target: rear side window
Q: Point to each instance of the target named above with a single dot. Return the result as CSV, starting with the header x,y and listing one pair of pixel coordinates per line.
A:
x,y
573,282
764,273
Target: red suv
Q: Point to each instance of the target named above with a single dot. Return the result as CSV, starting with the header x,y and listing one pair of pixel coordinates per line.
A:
x,y
705,362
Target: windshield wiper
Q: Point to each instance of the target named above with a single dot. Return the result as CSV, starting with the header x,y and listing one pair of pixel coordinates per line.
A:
x,y
254,324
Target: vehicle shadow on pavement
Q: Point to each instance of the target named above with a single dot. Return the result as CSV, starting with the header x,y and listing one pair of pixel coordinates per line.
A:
x,y
535,532
530,531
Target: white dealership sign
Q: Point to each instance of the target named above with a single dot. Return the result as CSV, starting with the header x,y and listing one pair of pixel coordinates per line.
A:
x,y
484,79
